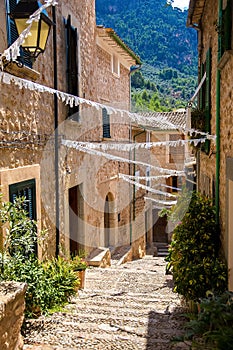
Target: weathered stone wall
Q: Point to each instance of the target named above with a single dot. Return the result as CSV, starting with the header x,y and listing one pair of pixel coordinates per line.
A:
x,y
28,118
207,169
12,304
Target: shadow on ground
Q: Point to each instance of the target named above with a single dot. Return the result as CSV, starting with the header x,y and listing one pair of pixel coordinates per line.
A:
x,y
164,327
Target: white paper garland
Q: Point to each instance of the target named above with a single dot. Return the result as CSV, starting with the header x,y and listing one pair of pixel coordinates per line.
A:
x,y
75,145
167,203
127,147
147,188
153,177
75,100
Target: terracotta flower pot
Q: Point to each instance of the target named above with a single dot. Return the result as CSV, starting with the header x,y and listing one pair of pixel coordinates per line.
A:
x,y
81,275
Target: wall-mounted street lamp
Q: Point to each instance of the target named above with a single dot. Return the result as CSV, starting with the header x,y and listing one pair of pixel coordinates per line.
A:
x,y
35,43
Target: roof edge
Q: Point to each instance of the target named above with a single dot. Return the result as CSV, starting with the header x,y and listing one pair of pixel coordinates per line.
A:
x,y
112,34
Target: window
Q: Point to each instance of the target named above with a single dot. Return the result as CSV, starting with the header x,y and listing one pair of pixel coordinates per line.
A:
x,y
25,189
72,65
115,65
148,181
174,184
227,15
12,33
205,97
106,123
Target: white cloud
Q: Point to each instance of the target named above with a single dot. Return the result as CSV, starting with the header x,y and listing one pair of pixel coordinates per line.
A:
x,y
181,4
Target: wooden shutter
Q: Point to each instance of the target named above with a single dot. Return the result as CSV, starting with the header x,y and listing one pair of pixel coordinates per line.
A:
x,y
71,62
208,98
25,189
227,27
106,123
12,33
203,88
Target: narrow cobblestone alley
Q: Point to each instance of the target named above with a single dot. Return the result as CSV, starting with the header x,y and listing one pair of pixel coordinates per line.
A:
x,y
130,306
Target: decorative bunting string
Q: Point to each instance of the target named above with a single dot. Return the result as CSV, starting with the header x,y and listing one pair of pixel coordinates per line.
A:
x,y
167,203
75,145
147,188
153,177
126,147
72,100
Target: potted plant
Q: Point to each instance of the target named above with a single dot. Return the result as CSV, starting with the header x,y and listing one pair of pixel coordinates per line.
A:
x,y
79,266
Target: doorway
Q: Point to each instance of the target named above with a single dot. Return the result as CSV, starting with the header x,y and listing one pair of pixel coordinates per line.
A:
x,y
108,219
159,227
76,216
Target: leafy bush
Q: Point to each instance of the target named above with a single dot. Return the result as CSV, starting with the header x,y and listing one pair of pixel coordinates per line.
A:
x,y
194,252
50,283
212,327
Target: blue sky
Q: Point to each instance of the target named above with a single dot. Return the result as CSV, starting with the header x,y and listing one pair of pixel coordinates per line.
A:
x,y
181,3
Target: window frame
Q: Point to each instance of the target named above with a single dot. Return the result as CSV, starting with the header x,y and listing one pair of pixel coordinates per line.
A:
x,y
15,190
71,37
106,123
115,65
204,100
227,27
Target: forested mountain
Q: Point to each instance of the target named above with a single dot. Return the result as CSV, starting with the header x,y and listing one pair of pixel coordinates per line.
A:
x,y
168,50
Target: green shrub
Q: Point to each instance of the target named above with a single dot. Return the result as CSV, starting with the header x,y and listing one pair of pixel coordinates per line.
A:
x,y
194,252
50,283
212,327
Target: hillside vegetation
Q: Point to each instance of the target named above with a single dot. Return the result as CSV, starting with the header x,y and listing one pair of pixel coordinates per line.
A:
x,y
158,34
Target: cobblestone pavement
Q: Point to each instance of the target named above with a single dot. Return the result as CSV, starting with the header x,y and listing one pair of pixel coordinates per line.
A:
x,y
124,307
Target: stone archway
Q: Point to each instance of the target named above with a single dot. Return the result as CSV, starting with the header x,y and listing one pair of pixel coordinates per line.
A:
x,y
109,220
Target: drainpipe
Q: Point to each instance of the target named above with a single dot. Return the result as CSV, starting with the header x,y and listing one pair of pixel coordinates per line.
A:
x,y
218,98
56,145
134,168
131,215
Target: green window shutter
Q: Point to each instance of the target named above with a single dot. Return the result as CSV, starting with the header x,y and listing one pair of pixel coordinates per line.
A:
x,y
25,189
12,33
106,123
208,98
72,63
227,27
202,90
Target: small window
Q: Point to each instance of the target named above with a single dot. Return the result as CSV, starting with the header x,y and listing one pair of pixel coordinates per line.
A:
x,y
148,181
174,183
205,97
72,65
106,123
12,33
115,65
227,15
25,189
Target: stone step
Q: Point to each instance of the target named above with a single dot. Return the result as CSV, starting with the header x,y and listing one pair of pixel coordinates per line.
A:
x,y
130,307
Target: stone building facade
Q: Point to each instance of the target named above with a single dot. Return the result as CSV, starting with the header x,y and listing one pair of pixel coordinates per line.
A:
x,y
167,157
214,23
75,195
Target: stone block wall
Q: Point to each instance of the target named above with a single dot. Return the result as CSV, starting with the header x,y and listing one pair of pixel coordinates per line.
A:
x,y
207,162
28,116
12,304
